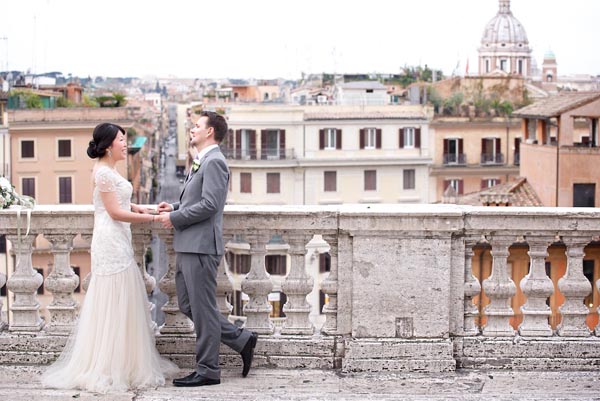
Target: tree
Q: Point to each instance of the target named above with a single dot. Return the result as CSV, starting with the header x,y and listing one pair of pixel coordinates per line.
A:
x,y
33,101
120,99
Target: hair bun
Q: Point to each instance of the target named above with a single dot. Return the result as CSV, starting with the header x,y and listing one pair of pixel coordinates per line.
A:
x,y
92,150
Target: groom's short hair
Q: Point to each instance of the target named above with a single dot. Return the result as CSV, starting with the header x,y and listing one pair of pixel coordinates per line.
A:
x,y
217,122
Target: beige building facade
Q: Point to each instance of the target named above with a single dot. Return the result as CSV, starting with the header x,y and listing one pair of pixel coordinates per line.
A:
x,y
319,155
473,154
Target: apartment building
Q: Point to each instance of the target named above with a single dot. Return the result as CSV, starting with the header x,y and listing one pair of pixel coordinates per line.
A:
x,y
317,155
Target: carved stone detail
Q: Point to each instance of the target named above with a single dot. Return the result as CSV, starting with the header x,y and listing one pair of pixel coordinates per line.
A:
x,y
297,285
258,286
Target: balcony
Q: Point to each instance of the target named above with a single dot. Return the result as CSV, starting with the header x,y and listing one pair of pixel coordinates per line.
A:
x,y
517,159
455,159
402,290
494,159
258,153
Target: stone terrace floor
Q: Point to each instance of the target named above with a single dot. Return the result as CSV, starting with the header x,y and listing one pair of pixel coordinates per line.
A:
x,y
21,383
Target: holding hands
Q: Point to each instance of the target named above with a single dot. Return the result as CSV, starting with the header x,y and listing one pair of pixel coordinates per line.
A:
x,y
164,210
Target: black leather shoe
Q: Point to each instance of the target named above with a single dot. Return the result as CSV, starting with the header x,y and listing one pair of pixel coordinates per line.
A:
x,y
248,354
195,380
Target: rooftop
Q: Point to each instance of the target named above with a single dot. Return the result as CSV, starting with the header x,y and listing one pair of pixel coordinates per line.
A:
x,y
554,106
512,193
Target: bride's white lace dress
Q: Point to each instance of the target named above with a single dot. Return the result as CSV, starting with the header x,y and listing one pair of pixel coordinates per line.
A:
x,y
112,347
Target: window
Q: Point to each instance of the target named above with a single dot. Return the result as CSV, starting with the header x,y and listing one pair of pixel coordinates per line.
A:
x,y
457,184
276,264
453,151
28,187
272,142
487,65
489,182
65,194
520,66
273,182
490,151
584,195
246,183
370,138
64,148
238,264
410,137
408,179
370,180
504,65
330,181
27,149
330,138
245,144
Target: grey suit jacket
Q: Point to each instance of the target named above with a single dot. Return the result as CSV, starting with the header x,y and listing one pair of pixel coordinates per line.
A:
x,y
198,216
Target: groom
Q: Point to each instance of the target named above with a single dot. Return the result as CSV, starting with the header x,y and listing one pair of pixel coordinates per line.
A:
x,y
198,240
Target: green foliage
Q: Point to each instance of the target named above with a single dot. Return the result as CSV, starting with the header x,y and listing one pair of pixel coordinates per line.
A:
x,y
120,99
453,103
33,101
88,101
63,102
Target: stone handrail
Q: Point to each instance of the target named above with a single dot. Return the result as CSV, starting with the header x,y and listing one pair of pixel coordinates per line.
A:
x,y
400,289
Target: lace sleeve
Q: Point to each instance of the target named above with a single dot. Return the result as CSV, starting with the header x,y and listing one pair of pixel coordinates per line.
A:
x,y
106,180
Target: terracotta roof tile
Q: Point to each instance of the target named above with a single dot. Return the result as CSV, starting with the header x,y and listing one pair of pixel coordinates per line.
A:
x,y
556,105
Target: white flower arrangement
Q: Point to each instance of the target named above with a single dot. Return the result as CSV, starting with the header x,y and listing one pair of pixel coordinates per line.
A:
x,y
195,165
9,197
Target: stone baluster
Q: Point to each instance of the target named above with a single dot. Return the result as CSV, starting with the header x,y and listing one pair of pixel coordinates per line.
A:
x,y
24,283
296,287
258,285
224,287
175,321
329,286
472,288
85,283
575,287
537,287
3,324
500,288
62,282
141,239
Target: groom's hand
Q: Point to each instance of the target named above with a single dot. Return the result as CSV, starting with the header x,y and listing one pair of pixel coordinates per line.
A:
x,y
164,207
165,220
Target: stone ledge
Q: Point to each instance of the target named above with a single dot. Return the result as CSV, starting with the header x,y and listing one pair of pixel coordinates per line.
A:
x,y
554,353
418,355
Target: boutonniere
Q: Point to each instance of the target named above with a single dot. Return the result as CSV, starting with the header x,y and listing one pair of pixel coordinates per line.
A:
x,y
195,165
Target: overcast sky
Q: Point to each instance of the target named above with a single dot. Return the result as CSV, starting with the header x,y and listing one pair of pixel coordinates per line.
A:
x,y
280,38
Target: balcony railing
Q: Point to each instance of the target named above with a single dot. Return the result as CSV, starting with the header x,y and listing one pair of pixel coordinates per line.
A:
x,y
260,154
517,159
407,290
456,159
492,158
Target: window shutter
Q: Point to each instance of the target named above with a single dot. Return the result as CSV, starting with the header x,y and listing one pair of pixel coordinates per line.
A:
x,y
446,185
417,137
238,143
498,145
361,137
446,146
338,138
460,187
253,144
517,145
321,139
282,144
378,138
483,184
460,146
482,145
263,144
401,137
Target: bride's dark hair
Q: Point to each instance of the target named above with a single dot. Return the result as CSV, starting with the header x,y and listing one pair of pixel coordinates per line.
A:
x,y
104,135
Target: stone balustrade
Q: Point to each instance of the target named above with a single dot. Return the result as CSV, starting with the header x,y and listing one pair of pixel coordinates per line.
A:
x,y
407,288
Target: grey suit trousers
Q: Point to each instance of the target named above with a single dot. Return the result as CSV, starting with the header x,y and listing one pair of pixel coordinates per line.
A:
x,y
196,280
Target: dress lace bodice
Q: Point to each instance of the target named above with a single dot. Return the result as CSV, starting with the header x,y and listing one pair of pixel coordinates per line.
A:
x,y
111,247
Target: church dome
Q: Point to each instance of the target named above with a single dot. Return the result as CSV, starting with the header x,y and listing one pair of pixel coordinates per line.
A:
x,y
504,30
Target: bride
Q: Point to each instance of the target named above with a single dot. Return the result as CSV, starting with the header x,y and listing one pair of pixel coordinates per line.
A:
x,y
112,347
